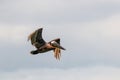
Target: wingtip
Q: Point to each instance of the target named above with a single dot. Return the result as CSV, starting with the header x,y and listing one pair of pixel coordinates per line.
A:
x,y
41,28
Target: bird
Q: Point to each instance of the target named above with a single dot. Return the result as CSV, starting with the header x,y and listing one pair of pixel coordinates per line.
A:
x,y
42,46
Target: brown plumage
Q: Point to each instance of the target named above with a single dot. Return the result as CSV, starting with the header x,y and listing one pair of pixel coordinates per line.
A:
x,y
42,46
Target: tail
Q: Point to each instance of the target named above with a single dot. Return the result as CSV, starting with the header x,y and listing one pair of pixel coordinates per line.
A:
x,y
34,52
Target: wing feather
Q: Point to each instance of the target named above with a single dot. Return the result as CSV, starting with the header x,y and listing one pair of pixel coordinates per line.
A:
x,y
36,38
57,53
56,40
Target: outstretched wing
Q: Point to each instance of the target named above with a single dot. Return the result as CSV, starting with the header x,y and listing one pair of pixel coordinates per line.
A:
x,y
36,38
56,43
56,40
57,51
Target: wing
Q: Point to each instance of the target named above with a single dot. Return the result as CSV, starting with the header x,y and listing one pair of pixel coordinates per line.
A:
x,y
56,40
56,43
36,38
57,51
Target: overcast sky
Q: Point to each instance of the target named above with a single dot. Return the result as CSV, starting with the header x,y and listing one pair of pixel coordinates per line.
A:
x,y
89,30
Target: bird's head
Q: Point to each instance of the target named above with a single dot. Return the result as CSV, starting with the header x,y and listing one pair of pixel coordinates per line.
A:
x,y
55,44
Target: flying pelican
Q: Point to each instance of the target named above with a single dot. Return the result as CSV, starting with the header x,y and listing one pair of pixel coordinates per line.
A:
x,y
42,46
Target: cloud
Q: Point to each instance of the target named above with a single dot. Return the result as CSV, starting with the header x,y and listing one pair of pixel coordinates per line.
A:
x,y
91,73
105,28
56,12
89,30
88,43
13,34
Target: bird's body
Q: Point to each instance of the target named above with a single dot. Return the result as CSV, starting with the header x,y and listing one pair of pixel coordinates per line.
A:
x,y
42,46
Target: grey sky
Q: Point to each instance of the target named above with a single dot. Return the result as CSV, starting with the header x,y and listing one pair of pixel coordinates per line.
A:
x,y
89,30
56,11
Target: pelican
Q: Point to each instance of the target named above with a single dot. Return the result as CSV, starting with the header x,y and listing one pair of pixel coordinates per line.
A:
x,y
42,46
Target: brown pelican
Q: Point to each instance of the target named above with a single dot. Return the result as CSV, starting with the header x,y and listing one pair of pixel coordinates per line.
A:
x,y
42,46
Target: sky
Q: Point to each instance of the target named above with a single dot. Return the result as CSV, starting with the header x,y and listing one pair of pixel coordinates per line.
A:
x,y
89,30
